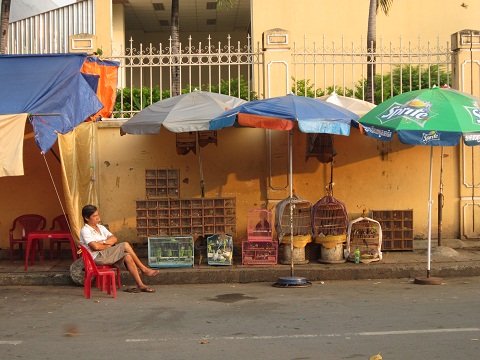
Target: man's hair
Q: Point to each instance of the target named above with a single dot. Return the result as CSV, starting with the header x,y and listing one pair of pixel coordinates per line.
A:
x,y
87,211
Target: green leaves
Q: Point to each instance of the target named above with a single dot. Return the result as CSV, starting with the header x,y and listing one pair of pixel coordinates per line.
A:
x,y
404,79
399,80
132,99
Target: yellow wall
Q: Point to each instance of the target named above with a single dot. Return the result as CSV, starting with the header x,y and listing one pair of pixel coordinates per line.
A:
x,y
118,28
238,167
334,18
103,26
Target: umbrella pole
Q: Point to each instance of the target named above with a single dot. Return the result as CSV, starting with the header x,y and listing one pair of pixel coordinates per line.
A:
x,y
330,186
331,169
429,280
202,184
290,180
291,281
430,201
440,201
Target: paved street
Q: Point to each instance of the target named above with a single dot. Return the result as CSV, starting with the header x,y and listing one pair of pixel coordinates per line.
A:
x,y
329,320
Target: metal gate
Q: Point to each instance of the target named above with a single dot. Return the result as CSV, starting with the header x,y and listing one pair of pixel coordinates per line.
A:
x,y
227,68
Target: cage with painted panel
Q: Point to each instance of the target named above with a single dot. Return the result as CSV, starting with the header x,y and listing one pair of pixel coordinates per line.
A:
x,y
220,249
170,251
365,234
259,252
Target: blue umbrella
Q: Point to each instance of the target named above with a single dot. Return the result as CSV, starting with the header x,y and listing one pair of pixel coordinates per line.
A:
x,y
282,113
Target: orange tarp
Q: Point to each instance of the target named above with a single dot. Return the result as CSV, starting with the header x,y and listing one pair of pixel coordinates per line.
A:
x,y
107,83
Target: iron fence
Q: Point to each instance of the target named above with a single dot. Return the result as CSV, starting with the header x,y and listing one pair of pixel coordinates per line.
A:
x,y
321,68
145,74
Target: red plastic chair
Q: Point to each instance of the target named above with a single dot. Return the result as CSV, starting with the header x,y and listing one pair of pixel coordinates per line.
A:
x,y
59,223
91,270
25,224
108,267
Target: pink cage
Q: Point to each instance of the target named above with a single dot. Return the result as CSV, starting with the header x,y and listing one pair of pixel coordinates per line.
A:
x,y
259,225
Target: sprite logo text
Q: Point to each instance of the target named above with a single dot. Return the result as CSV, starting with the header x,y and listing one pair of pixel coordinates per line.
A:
x,y
431,136
397,111
476,113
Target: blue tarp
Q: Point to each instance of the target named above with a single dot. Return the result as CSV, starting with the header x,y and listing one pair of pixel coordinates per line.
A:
x,y
42,85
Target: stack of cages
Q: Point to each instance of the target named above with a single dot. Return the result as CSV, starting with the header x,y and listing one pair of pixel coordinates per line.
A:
x,y
220,249
330,222
259,248
397,229
300,211
365,234
169,252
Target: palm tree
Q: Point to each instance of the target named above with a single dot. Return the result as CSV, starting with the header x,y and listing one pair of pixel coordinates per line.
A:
x,y
372,43
175,35
4,17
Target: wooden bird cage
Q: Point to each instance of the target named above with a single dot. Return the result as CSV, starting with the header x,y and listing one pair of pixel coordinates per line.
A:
x,y
330,219
330,222
366,234
301,217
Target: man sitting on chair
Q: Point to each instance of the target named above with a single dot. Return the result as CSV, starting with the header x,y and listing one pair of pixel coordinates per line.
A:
x,y
106,250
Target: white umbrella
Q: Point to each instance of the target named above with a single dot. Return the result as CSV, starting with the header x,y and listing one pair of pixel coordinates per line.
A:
x,y
183,113
356,106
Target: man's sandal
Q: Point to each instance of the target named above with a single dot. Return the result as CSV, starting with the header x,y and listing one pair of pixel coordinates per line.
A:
x,y
134,290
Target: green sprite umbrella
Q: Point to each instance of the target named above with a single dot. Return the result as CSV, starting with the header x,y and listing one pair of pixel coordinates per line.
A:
x,y
431,117
435,117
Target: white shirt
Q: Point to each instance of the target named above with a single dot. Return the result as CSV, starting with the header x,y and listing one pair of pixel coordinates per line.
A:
x,y
89,234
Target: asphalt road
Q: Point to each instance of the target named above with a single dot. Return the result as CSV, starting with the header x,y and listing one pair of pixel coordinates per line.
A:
x,y
330,320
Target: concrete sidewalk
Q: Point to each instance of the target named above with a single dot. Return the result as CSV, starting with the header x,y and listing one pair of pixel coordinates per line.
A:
x,y
455,258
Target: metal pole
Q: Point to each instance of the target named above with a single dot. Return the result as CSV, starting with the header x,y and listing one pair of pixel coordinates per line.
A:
x,y
202,183
290,179
440,201
430,201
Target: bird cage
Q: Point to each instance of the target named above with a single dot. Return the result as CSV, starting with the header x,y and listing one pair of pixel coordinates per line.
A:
x,y
220,249
366,234
259,248
259,225
299,212
330,222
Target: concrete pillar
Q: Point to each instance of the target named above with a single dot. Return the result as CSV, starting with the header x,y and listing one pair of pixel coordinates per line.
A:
x,y
466,77
466,53
277,59
103,26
